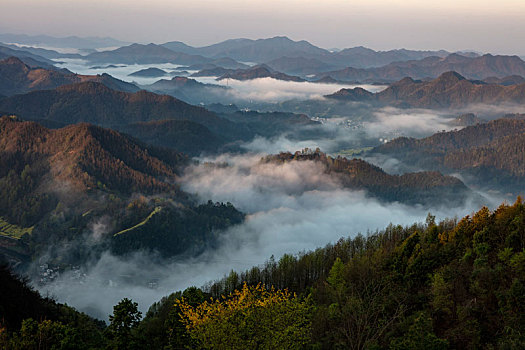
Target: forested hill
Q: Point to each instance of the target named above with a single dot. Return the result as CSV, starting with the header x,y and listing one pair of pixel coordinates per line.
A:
x,y
16,78
494,152
449,90
454,284
93,102
422,187
42,322
56,183
86,157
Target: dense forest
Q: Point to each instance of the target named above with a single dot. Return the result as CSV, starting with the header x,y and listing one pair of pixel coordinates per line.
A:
x,y
184,136
493,152
29,321
454,284
57,183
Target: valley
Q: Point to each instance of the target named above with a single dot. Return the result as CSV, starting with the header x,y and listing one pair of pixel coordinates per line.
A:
x,y
320,191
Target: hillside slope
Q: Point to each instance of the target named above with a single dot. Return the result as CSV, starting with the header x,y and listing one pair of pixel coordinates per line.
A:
x,y
16,78
414,188
494,153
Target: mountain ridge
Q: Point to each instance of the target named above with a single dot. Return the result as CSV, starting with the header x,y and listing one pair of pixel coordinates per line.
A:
x,y
16,77
449,90
471,67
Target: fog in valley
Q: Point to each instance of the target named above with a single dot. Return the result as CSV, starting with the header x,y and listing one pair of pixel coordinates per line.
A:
x,y
290,207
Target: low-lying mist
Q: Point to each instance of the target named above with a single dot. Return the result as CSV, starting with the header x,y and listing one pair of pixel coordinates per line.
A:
x,y
273,91
377,126
257,90
291,207
119,71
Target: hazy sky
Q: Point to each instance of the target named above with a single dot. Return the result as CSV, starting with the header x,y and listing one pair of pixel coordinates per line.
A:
x,y
483,25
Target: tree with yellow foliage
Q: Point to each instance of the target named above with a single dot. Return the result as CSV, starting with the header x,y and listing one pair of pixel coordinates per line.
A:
x,y
251,318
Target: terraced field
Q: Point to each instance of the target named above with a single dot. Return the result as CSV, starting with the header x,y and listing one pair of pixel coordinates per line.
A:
x,y
13,231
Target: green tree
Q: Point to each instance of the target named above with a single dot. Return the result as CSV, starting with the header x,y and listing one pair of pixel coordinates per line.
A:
x,y
123,322
419,336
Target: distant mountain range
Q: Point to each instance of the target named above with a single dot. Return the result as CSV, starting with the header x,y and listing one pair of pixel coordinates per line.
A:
x,y
92,101
471,67
29,58
491,155
157,114
299,58
95,103
40,52
300,65
63,42
279,51
144,54
247,50
16,77
152,54
449,90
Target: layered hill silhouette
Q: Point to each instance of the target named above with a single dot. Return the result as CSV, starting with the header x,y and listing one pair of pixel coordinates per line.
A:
x,y
47,54
247,50
187,89
449,90
493,152
300,65
144,54
430,67
96,103
363,57
61,42
29,58
299,57
414,188
16,77
152,54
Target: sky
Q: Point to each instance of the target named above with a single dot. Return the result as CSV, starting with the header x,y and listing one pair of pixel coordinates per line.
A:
x,y
481,25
